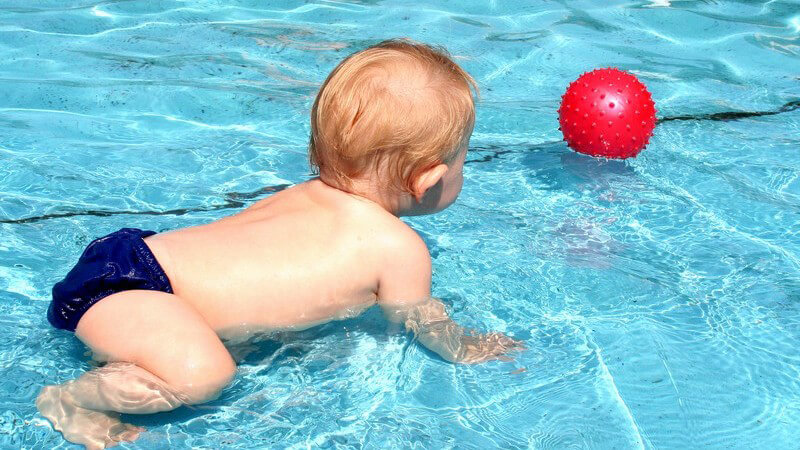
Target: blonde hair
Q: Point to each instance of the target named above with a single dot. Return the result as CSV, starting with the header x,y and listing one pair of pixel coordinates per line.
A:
x,y
399,105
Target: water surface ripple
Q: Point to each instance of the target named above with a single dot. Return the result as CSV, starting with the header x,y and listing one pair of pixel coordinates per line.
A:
x,y
659,297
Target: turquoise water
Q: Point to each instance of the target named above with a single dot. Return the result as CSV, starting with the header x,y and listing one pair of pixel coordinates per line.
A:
x,y
659,297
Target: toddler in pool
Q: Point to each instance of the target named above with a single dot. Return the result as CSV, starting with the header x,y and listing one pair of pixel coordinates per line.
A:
x,y
389,134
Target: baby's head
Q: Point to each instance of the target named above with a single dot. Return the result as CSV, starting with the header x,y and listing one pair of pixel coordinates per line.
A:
x,y
398,117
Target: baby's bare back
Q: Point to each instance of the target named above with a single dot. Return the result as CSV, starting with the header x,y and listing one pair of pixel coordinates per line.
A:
x,y
296,259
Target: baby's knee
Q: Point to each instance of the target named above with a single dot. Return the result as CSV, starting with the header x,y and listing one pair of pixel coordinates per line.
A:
x,y
203,379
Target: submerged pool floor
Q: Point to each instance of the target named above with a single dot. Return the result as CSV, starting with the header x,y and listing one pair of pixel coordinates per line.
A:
x,y
659,297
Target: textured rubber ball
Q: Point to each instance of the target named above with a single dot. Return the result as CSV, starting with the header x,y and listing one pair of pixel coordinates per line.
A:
x,y
607,113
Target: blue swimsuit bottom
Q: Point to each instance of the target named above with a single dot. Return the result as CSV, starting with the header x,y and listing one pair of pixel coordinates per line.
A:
x,y
119,261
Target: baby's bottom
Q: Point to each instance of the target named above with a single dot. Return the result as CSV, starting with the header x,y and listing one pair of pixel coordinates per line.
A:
x,y
160,353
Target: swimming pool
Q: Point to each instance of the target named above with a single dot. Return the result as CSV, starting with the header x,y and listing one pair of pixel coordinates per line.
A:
x,y
659,297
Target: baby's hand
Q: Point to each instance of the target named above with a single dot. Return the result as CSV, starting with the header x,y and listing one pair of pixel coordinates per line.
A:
x,y
439,333
486,347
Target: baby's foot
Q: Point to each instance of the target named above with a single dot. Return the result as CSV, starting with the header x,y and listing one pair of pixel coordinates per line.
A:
x,y
94,429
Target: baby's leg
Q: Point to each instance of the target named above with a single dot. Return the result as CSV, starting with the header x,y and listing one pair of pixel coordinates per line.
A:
x,y
161,354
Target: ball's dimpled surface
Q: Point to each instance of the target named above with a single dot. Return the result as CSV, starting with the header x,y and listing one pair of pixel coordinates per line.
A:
x,y
608,113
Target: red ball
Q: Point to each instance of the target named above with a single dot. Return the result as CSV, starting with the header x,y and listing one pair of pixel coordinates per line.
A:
x,y
608,113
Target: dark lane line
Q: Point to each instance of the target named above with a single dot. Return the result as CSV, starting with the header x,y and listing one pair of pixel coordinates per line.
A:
x,y
233,200
735,115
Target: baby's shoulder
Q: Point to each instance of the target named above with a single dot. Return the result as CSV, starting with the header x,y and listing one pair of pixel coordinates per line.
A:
x,y
386,234
354,222
401,245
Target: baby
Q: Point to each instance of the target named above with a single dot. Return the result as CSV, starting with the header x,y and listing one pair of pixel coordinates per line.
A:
x,y
389,134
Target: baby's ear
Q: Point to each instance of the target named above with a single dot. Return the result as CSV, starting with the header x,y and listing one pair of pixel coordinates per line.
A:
x,y
428,179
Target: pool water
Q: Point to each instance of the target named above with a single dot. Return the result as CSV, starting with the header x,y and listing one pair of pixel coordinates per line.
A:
x,y
659,297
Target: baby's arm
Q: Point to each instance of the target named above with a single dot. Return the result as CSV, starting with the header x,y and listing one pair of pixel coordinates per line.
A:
x,y
405,297
436,331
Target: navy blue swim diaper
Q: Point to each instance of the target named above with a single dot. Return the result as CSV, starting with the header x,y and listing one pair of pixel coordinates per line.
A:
x,y
119,261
